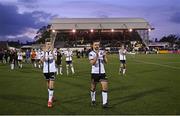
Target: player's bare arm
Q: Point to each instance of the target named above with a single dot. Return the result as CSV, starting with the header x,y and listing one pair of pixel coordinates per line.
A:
x,y
105,57
93,61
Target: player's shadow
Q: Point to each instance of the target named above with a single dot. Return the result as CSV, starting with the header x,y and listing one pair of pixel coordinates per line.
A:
x,y
121,100
81,97
73,84
23,99
75,99
121,88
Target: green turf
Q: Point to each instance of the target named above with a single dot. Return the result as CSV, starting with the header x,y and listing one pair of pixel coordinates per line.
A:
x,y
151,86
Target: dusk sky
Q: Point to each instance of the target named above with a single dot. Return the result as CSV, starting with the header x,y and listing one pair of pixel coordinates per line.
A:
x,y
20,19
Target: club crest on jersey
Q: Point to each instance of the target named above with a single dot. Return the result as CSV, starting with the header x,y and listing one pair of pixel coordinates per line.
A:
x,y
90,55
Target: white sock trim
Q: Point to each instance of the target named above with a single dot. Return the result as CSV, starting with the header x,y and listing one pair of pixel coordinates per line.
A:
x,y
104,97
51,92
93,95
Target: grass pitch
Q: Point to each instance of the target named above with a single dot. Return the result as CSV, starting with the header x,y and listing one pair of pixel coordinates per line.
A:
x,y
151,86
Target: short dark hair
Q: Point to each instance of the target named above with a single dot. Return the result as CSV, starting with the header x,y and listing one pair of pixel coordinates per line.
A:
x,y
48,40
96,40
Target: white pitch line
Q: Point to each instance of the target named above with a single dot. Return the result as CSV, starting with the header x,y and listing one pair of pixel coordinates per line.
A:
x,y
163,65
172,62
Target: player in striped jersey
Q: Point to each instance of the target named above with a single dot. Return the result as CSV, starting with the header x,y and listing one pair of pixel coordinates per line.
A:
x,y
122,58
20,58
49,69
38,57
68,54
97,59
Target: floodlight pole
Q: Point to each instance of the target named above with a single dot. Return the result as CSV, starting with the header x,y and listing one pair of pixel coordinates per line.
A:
x,y
99,34
124,36
100,31
53,37
74,35
75,39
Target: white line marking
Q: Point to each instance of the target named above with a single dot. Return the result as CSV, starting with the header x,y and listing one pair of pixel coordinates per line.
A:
x,y
158,64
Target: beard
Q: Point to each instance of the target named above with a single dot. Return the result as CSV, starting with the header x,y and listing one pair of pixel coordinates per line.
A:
x,y
96,48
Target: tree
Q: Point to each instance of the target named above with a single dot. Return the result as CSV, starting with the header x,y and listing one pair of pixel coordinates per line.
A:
x,y
156,40
42,34
172,39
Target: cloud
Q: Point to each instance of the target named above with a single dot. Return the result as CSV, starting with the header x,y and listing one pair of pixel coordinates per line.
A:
x,y
13,23
26,36
176,17
79,8
28,1
101,14
20,26
164,15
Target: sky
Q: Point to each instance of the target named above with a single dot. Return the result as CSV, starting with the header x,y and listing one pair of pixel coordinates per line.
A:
x,y
20,19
